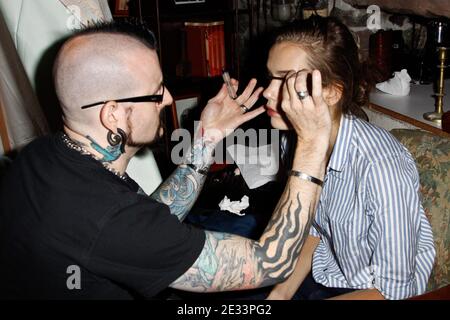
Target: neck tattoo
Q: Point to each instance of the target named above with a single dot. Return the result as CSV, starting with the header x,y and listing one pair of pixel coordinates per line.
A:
x,y
74,145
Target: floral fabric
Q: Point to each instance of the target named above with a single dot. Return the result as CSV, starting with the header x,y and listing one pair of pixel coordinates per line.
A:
x,y
432,155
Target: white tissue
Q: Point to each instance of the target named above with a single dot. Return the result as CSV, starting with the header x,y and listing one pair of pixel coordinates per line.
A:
x,y
258,165
234,206
399,85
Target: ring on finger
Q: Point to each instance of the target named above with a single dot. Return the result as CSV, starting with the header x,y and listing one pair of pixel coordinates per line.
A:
x,y
244,108
302,94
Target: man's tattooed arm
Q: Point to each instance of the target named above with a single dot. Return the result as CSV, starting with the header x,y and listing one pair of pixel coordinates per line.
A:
x,y
182,188
229,262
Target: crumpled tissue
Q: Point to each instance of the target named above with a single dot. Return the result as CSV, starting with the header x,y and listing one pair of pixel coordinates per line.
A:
x,y
234,206
399,85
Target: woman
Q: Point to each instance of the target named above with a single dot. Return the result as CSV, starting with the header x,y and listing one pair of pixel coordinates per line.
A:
x,y
371,238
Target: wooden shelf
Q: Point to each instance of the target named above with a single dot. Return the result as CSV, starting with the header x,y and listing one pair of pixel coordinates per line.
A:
x,y
167,21
208,15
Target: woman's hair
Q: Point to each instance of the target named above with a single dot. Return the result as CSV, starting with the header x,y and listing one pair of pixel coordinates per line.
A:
x,y
331,49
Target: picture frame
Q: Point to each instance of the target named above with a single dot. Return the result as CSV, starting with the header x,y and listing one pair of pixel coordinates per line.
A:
x,y
178,2
181,104
121,8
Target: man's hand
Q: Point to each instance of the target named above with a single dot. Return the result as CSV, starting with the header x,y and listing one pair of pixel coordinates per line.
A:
x,y
310,117
222,114
229,262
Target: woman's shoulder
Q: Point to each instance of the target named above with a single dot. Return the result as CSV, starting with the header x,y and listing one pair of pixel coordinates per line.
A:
x,y
376,143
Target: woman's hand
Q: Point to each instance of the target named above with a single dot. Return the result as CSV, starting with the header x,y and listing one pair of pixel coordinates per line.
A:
x,y
223,114
310,116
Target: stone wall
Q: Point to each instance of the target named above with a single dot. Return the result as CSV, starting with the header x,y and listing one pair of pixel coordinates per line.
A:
x,y
364,22
425,8
354,16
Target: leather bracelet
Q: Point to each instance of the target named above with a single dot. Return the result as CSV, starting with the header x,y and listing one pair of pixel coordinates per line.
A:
x,y
203,171
306,177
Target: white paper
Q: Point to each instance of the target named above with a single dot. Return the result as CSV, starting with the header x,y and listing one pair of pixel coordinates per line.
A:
x,y
258,165
399,85
234,206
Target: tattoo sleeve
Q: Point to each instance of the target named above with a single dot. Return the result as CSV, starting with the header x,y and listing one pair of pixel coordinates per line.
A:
x,y
182,188
229,262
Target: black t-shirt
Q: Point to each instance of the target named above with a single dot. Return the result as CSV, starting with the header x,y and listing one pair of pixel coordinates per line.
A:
x,y
59,208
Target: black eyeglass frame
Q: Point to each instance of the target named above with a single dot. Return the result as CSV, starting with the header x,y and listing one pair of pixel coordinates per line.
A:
x,y
283,79
276,78
148,98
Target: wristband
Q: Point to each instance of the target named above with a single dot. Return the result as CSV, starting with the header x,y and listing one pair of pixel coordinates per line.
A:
x,y
203,171
306,177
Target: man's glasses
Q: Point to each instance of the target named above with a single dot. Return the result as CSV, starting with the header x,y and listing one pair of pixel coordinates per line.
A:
x,y
151,98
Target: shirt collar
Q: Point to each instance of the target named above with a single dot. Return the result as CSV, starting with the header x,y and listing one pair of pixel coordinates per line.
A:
x,y
341,147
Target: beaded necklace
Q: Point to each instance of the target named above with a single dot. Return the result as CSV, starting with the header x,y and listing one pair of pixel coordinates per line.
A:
x,y
77,147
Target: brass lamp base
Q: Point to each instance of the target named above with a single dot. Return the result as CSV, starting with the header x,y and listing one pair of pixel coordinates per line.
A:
x,y
436,116
433,116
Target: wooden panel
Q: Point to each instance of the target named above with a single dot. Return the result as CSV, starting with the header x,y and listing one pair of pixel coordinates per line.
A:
x,y
407,119
439,294
3,130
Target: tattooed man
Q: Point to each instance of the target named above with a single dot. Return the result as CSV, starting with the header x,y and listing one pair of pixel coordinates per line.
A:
x,y
74,225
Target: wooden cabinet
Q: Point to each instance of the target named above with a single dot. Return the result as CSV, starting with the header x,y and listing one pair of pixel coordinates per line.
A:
x,y
167,20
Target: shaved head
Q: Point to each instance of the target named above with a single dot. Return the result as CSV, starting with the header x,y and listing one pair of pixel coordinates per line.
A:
x,y
101,64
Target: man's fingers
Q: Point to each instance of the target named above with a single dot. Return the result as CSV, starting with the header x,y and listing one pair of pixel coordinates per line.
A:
x,y
288,90
301,88
247,92
253,98
222,94
235,85
293,84
317,92
252,114
300,82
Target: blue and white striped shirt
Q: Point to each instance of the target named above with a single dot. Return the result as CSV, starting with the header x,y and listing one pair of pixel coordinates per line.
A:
x,y
371,210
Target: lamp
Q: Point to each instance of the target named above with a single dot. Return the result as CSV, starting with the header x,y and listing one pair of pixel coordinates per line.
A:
x,y
436,116
438,33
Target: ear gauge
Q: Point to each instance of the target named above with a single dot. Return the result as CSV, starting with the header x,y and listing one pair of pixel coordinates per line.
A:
x,y
116,146
117,139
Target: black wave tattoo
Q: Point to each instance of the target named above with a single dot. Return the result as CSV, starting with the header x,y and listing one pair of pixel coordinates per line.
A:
x,y
284,234
230,262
